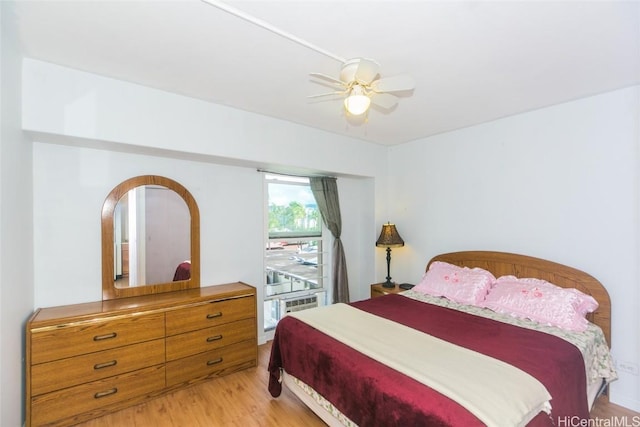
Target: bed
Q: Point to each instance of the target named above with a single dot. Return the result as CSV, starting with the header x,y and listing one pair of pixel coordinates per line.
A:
x,y
419,359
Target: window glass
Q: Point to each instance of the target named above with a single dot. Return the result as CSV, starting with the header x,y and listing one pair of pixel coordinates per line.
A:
x,y
294,269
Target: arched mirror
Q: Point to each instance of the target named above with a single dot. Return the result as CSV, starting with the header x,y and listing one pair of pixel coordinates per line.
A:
x,y
150,238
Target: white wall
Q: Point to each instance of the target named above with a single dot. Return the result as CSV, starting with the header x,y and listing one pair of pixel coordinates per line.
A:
x,y
358,233
16,230
59,101
211,150
70,185
560,183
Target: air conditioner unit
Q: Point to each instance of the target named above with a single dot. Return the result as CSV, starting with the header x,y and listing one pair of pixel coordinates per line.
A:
x,y
302,302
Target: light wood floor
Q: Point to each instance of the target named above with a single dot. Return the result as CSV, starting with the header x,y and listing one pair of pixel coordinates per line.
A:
x,y
242,400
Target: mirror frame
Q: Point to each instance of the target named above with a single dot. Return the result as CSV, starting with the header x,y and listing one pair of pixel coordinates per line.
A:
x,y
109,291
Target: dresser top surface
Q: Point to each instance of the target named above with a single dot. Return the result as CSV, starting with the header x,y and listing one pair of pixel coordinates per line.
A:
x,y
50,315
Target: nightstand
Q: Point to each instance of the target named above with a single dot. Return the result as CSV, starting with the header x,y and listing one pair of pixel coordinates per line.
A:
x,y
377,290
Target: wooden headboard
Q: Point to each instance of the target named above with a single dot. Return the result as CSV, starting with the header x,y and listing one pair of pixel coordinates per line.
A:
x,y
502,263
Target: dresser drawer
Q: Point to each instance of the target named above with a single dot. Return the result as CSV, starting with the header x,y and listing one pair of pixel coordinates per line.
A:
x,y
210,314
210,338
215,363
63,373
52,343
95,396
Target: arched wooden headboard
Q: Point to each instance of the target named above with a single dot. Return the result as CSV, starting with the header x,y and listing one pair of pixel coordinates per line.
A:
x,y
503,263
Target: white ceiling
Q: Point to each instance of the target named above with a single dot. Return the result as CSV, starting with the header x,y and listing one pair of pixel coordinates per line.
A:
x,y
473,61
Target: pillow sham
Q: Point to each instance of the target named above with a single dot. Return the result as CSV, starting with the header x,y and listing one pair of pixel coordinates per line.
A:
x,y
460,284
541,301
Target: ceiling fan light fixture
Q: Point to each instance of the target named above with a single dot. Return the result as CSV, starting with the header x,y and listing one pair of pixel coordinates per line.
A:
x,y
361,86
357,102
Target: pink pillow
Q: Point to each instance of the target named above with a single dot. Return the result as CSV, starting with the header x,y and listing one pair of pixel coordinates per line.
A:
x,y
541,301
460,284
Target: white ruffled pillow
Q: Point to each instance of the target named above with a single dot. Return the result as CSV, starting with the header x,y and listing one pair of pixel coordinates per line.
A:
x,y
541,301
460,284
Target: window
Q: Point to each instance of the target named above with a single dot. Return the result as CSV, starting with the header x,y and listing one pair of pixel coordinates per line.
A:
x,y
294,268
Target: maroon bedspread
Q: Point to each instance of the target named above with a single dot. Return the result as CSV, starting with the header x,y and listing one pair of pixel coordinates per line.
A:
x,y
370,393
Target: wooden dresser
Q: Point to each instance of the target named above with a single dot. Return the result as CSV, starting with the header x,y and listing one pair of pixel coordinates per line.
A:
x,y
86,360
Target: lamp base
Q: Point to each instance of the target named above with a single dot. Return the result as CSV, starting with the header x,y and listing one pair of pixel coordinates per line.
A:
x,y
388,284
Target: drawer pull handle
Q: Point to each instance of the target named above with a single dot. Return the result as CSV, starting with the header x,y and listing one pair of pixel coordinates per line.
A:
x,y
105,393
214,338
105,364
214,362
214,315
105,337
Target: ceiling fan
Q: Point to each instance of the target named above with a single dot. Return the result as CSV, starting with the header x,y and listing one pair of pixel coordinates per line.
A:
x,y
360,82
359,79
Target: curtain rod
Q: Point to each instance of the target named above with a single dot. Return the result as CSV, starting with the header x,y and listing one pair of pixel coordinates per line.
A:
x,y
295,175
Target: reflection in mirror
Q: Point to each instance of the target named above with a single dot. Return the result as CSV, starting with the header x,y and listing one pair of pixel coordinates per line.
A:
x,y
151,237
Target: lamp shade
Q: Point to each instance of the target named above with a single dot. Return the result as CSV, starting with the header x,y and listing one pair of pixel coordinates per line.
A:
x,y
389,237
357,102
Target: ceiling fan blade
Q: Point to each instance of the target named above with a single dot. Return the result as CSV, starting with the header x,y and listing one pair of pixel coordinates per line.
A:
x,y
394,84
327,94
384,100
327,78
367,71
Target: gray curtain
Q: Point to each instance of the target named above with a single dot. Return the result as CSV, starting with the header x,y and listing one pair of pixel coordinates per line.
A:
x,y
325,191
